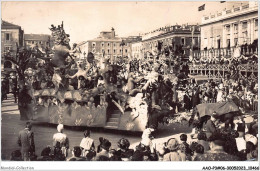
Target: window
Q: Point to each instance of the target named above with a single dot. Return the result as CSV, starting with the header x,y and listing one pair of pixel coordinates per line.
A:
x,y
125,50
228,28
183,41
235,28
235,41
114,45
40,42
108,44
228,43
93,45
108,51
114,50
244,25
205,43
32,42
102,44
103,50
7,36
7,48
120,50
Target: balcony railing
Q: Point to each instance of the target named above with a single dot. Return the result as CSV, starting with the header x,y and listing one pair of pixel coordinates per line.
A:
x,y
226,52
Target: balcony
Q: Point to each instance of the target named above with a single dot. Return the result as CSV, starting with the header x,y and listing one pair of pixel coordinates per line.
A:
x,y
226,52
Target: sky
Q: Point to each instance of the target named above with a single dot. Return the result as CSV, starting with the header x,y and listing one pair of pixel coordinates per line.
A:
x,y
85,20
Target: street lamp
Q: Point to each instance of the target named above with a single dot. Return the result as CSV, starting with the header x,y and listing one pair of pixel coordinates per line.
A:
x,y
122,44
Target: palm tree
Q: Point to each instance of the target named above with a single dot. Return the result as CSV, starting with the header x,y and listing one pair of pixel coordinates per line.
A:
x,y
21,60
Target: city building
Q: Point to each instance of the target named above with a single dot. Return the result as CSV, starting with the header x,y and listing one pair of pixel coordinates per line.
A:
x,y
136,49
186,36
11,36
230,27
110,45
83,48
40,40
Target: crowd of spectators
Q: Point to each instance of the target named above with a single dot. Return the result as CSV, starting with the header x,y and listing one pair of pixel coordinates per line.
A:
x,y
222,145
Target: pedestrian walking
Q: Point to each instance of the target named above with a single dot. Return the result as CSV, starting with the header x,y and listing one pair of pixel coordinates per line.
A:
x,y
26,142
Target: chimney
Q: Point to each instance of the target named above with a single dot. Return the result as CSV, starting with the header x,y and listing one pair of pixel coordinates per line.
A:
x,y
113,34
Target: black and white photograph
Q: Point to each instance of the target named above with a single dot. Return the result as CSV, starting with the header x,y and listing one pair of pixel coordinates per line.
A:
x,y
174,82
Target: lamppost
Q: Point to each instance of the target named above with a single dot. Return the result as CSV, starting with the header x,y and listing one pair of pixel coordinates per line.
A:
x,y
122,44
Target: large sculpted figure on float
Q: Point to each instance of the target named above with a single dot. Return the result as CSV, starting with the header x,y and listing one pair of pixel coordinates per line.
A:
x,y
62,48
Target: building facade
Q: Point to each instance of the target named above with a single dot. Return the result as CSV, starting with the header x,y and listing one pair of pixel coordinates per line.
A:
x,y
40,40
11,36
186,36
230,27
110,45
137,50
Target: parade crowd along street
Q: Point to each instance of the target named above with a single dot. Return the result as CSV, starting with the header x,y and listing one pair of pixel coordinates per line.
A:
x,y
228,133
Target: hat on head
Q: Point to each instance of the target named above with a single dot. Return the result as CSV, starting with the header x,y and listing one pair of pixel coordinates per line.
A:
x,y
123,143
172,144
214,114
105,144
60,127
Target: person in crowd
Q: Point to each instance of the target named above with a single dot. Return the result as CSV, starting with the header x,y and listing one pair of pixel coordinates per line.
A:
x,y
196,96
76,155
209,126
113,155
26,141
173,155
187,101
57,154
82,74
4,87
199,150
202,139
46,154
184,144
141,153
147,139
14,86
250,151
16,156
61,140
216,153
182,152
103,148
87,145
240,141
124,152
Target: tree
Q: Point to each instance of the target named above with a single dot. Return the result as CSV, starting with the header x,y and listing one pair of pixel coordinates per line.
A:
x,y
21,60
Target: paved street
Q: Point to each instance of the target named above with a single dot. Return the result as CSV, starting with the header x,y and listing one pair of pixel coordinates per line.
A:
x,y
11,125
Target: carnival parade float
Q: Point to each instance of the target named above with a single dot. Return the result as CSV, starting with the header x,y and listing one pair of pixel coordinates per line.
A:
x,y
64,90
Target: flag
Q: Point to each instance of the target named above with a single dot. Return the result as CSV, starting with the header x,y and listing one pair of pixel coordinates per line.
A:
x,y
202,7
222,1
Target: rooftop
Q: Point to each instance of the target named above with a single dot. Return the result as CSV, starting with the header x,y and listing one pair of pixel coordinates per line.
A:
x,y
7,25
177,29
37,37
229,13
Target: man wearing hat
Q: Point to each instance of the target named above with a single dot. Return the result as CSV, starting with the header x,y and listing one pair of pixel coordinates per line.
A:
x,y
26,141
172,145
210,127
104,148
216,152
